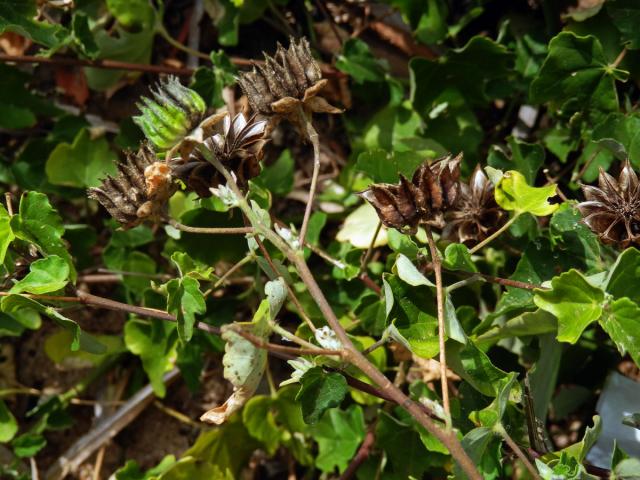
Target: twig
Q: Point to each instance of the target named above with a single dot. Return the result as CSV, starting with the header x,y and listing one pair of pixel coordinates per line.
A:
x,y
519,453
211,230
437,268
325,256
351,354
173,413
315,141
619,58
494,235
361,455
97,467
108,428
274,347
9,201
226,274
331,21
104,64
506,282
194,31
367,255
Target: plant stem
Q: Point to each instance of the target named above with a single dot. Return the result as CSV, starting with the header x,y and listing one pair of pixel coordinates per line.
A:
x,y
519,453
350,353
229,272
494,235
314,139
274,347
211,230
290,336
616,63
367,255
437,268
174,43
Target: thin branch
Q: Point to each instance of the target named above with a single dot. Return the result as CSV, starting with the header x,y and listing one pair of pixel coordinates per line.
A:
x,y
519,453
616,63
211,230
9,201
494,235
274,347
367,255
315,141
228,273
351,354
103,64
361,455
437,268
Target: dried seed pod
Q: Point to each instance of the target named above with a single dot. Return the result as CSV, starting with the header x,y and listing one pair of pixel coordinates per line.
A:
x,y
432,190
238,146
612,210
475,214
139,192
287,82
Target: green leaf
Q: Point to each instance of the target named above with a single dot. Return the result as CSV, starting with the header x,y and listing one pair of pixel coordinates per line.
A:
x,y
514,194
45,275
121,45
82,35
357,61
37,222
475,366
529,323
132,471
184,300
622,322
81,164
20,107
415,324
408,273
627,469
57,346
338,434
623,275
625,15
8,424
576,72
383,166
13,304
527,158
483,447
187,266
132,14
6,234
472,70
579,450
28,444
508,389
19,17
278,178
457,257
154,342
619,133
574,239
574,302
258,417
360,226
319,392
405,450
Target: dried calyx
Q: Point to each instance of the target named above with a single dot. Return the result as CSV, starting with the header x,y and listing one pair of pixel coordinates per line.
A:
x,y
287,84
612,210
139,192
475,214
238,146
432,191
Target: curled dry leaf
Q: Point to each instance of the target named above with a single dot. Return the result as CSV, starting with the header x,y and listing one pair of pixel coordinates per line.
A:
x,y
432,190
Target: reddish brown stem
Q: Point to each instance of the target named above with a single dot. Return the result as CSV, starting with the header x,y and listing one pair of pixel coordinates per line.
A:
x,y
361,455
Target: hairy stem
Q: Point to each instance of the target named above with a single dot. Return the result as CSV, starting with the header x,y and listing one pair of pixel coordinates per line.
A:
x,y
494,235
315,141
211,230
437,269
519,453
350,352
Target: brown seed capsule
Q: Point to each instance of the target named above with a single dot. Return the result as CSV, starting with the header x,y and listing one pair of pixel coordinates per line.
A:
x,y
612,210
287,82
432,190
475,214
139,192
238,146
